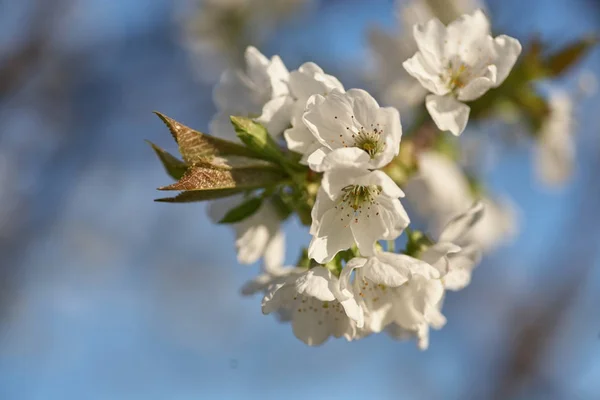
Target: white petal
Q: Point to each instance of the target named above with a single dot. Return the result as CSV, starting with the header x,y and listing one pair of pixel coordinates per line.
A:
x,y
279,296
380,178
276,115
310,79
457,279
299,138
279,75
430,39
275,252
389,269
448,113
393,125
460,225
339,158
364,106
316,282
368,228
478,86
256,62
356,262
322,204
508,50
251,243
329,119
332,237
335,179
353,311
436,255
466,34
306,327
417,67
396,217
316,158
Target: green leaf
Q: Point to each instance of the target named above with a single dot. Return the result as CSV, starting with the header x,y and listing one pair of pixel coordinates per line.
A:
x,y
195,146
200,177
199,195
303,260
282,205
243,211
256,138
174,166
568,56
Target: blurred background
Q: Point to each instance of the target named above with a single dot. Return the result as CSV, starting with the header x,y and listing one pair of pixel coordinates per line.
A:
x,y
105,294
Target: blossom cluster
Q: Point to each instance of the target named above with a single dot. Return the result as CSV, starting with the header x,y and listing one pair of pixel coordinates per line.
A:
x,y
350,286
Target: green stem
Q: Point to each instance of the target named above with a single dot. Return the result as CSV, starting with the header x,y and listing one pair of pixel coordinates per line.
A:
x,y
391,246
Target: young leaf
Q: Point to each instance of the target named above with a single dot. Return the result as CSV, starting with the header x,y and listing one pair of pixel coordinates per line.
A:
x,y
242,211
195,146
174,166
568,56
201,177
199,195
256,138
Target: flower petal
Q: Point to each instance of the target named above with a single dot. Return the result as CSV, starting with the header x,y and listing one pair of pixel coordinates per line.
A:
x,y
275,252
508,50
356,262
329,118
381,179
418,68
307,328
333,236
316,282
299,138
430,39
478,86
279,75
338,158
448,113
276,115
279,296
368,228
460,225
389,269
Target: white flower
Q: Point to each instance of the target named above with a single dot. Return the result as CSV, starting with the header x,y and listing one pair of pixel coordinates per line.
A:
x,y
555,153
259,91
306,81
395,86
317,306
257,236
453,262
352,121
459,63
355,206
440,191
396,289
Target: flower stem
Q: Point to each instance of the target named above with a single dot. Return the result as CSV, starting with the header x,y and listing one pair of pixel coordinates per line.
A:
x,y
391,246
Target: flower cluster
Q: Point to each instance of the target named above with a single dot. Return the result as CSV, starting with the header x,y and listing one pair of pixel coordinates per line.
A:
x,y
350,287
340,162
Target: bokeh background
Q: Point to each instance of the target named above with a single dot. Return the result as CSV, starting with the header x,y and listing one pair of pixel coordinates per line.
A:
x,y
105,294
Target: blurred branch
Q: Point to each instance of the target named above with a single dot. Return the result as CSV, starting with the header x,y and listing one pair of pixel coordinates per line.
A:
x,y
16,66
537,327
